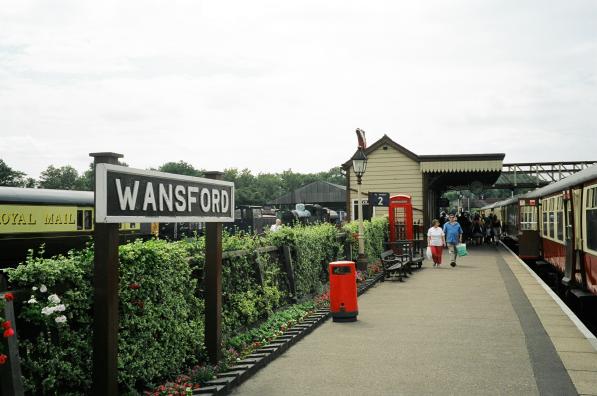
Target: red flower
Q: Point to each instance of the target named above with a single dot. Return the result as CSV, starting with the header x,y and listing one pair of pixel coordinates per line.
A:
x,y
134,286
3,358
6,325
9,297
9,333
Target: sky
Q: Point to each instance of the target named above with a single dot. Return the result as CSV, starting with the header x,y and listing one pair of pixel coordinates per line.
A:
x,y
277,85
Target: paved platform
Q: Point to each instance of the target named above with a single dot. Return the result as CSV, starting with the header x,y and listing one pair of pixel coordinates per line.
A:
x,y
486,327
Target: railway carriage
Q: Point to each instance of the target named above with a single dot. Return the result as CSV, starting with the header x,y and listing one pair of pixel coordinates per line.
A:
x,y
60,220
558,224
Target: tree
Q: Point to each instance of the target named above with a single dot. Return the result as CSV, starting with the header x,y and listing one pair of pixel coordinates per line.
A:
x,y
87,179
63,178
10,177
30,183
334,175
180,168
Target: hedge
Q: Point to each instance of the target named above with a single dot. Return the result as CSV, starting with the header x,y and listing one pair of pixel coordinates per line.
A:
x,y
161,305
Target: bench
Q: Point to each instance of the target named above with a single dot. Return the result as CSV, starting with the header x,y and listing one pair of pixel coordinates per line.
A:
x,y
394,265
417,253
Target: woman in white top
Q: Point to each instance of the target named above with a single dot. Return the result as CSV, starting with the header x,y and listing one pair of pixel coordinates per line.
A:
x,y
436,240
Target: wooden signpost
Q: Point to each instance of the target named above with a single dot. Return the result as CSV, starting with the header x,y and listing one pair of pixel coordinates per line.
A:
x,y
124,195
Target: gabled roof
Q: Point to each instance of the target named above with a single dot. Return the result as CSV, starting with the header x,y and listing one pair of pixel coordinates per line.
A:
x,y
316,192
442,163
385,141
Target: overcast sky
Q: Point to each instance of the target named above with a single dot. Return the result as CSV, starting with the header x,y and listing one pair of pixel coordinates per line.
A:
x,y
274,85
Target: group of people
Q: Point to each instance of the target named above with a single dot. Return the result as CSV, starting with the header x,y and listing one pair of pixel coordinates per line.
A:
x,y
478,228
450,235
450,230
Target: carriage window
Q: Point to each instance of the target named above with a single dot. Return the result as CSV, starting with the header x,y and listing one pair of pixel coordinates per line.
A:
x,y
529,221
591,219
544,223
79,219
560,225
569,220
88,220
551,222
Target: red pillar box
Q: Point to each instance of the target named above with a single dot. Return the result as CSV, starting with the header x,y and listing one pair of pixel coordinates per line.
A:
x,y
343,291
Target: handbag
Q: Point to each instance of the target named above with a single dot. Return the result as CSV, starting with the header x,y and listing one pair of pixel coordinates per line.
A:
x,y
428,253
461,249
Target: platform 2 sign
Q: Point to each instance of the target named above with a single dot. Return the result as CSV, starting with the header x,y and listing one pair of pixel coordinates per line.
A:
x,y
125,194
379,199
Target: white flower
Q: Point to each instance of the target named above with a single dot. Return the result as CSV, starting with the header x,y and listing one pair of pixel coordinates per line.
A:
x,y
54,299
60,308
43,289
48,310
34,288
60,319
32,300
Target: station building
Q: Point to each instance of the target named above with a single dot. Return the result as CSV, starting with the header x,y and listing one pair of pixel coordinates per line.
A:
x,y
394,169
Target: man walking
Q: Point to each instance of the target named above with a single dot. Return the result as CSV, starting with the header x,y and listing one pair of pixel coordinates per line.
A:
x,y
453,233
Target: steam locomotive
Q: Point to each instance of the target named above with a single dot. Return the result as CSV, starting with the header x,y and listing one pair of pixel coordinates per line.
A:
x,y
309,214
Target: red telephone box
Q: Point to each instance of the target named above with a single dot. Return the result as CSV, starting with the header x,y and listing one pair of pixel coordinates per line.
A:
x,y
401,217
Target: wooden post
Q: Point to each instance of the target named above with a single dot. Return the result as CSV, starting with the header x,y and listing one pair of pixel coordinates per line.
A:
x,y
213,285
347,248
289,268
11,379
105,300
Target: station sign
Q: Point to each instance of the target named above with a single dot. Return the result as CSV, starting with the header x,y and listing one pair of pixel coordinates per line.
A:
x,y
125,194
379,199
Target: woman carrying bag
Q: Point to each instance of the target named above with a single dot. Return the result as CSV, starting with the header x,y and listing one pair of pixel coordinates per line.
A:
x,y
436,242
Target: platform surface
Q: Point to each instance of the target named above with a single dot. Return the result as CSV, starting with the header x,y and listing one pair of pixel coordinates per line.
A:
x,y
485,327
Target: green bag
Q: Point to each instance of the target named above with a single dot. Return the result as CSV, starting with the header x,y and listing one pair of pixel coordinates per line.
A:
x,y
461,249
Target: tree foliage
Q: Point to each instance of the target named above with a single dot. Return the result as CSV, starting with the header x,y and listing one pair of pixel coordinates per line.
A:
x,y
265,187
181,168
259,189
63,178
11,177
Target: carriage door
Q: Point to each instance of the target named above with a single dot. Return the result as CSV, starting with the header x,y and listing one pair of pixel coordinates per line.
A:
x,y
528,236
401,218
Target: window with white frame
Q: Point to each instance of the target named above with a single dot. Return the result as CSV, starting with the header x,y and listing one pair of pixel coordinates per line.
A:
x,y
559,210
528,218
590,224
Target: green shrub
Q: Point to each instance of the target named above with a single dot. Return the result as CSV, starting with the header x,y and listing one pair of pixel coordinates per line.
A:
x,y
161,310
376,232
161,321
313,248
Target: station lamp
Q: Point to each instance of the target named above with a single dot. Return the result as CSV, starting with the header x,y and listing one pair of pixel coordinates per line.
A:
x,y
359,164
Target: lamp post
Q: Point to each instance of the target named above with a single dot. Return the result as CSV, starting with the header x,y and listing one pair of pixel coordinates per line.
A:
x,y
359,164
